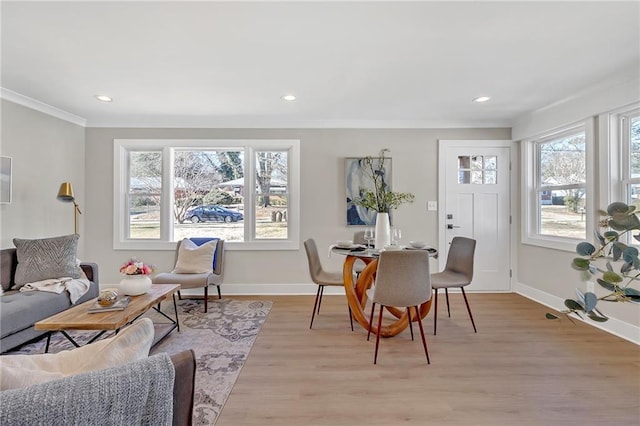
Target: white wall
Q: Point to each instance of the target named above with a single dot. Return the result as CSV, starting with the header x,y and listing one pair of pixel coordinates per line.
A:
x,y
46,151
545,274
414,154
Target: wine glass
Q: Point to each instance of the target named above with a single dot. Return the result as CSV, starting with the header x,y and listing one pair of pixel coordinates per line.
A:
x,y
369,236
396,235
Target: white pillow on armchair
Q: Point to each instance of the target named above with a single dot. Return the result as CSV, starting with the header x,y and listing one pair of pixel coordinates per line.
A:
x,y
195,259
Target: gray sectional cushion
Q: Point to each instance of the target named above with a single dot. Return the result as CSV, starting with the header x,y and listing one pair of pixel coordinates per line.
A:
x,y
46,258
21,310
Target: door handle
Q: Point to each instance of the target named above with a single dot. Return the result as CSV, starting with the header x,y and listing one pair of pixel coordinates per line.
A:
x,y
450,226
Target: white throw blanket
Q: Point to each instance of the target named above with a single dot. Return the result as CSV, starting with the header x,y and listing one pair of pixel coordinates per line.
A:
x,y
76,287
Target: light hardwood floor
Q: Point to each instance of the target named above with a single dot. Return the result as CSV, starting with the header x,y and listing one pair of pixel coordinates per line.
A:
x,y
519,369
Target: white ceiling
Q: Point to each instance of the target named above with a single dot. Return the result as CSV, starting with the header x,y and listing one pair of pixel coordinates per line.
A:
x,y
356,64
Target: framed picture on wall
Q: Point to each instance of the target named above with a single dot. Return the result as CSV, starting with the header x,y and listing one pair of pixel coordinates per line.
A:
x,y
5,180
356,182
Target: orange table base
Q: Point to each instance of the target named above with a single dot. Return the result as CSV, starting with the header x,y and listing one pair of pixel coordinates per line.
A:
x,y
357,299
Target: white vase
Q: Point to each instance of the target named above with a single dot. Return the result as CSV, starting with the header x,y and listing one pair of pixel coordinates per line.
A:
x,y
134,285
383,230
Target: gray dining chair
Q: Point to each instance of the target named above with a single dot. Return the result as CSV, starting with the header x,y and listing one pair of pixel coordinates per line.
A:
x,y
359,265
457,273
402,280
322,278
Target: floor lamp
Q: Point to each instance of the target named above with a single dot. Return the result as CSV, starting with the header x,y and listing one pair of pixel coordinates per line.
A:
x,y
65,194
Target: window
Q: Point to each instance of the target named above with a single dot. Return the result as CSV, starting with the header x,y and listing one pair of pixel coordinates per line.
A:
x,y
558,186
630,157
478,169
245,191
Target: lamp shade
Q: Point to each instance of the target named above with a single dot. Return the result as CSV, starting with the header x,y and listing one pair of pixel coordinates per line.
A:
x,y
65,193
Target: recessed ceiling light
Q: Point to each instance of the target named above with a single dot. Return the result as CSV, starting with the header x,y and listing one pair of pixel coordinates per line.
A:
x,y
103,98
481,99
289,97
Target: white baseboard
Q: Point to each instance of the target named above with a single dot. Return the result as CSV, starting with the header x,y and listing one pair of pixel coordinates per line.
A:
x,y
614,326
272,289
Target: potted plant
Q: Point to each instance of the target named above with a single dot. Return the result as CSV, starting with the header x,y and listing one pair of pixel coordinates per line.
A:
x,y
598,262
380,198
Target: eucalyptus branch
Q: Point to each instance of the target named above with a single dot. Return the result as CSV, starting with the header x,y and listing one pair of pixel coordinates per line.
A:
x,y
621,220
380,198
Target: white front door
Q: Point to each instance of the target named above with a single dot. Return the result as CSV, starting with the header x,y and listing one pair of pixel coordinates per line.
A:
x,y
474,196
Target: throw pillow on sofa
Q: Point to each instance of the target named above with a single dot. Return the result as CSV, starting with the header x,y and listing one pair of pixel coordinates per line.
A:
x,y
131,344
46,258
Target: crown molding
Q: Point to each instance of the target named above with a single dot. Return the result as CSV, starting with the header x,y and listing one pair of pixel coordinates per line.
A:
x,y
36,105
248,122
256,122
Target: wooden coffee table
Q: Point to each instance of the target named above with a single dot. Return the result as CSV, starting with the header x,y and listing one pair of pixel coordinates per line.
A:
x,y
78,317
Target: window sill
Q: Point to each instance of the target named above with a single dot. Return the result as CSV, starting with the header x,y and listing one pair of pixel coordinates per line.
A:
x,y
228,245
556,243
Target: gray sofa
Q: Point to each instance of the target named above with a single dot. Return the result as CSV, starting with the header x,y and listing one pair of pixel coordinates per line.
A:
x,y
107,397
19,311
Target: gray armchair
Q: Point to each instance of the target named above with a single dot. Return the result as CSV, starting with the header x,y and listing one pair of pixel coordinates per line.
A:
x,y
204,280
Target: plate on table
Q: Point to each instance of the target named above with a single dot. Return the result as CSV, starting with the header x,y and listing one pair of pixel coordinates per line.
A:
x,y
348,246
420,245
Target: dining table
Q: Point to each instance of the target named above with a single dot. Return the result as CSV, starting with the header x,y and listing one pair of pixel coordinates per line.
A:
x,y
356,292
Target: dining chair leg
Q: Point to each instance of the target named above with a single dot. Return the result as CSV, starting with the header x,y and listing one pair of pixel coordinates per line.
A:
x,y
375,357
320,301
469,309
179,295
409,317
424,339
350,316
219,293
446,294
370,321
435,314
315,306
206,298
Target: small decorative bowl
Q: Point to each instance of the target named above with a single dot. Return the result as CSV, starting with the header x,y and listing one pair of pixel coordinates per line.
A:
x,y
344,243
418,244
108,296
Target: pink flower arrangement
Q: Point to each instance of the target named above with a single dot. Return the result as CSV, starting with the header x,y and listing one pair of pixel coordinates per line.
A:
x,y
135,267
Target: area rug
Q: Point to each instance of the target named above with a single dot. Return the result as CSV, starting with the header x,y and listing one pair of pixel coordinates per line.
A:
x,y
221,339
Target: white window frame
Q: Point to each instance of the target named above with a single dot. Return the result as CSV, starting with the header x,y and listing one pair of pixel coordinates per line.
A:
x,y
625,153
121,148
615,174
530,186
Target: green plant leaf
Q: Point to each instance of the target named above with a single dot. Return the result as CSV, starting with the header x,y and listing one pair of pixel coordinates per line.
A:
x,y
590,301
618,248
550,316
609,267
628,291
599,237
596,317
617,207
637,237
611,235
621,222
607,285
585,249
629,254
612,277
574,305
580,264
631,209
